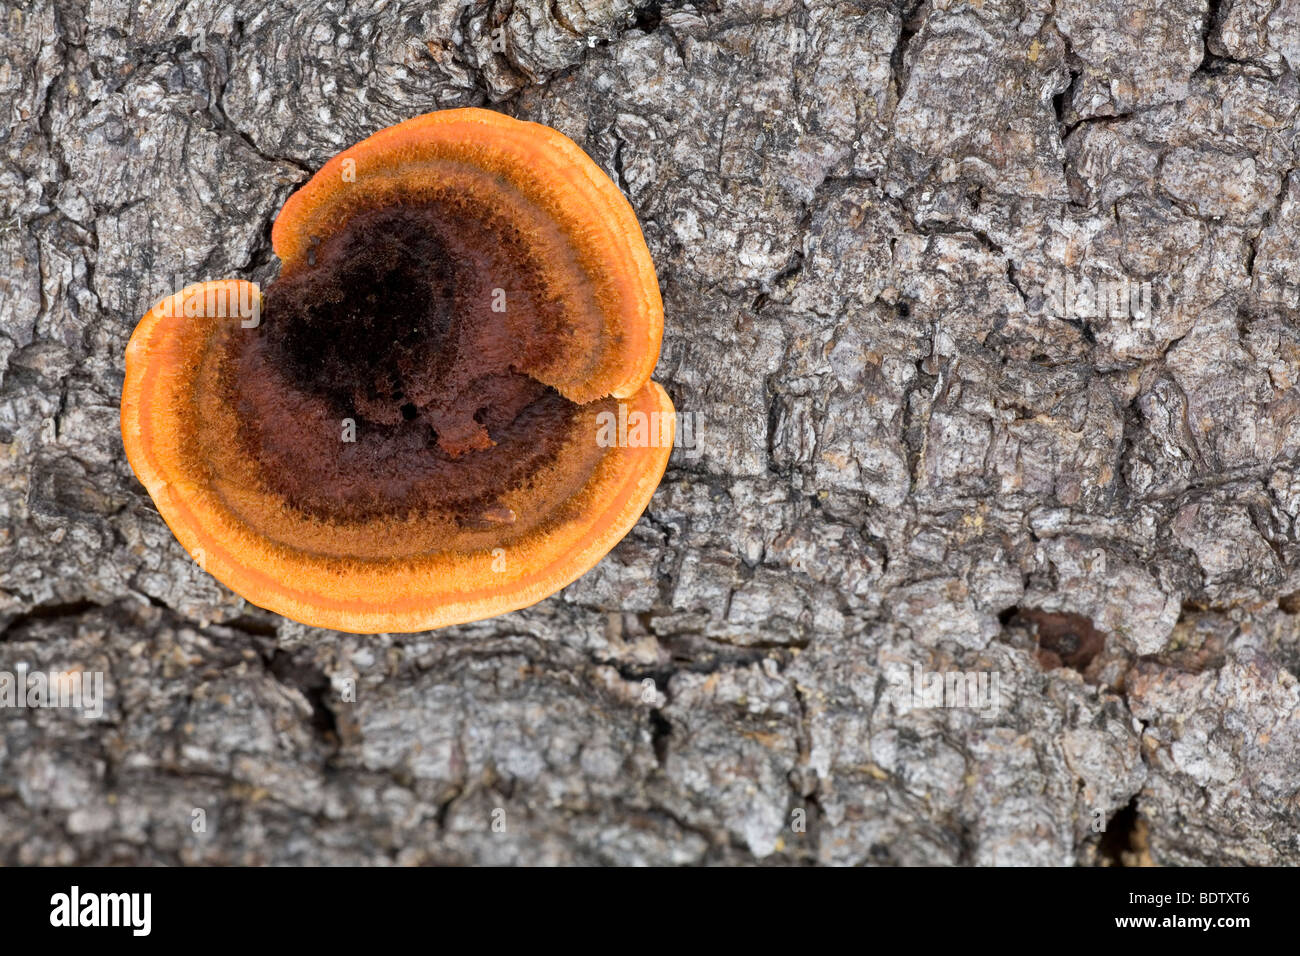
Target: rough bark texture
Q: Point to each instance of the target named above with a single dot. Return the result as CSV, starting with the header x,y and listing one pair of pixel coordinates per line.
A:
x,y
858,211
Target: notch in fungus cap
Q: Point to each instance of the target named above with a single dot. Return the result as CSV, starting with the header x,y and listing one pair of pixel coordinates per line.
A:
x,y
413,427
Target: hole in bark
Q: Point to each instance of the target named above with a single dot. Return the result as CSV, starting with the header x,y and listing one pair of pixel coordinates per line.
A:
x,y
649,17
1064,639
313,684
660,731
1124,842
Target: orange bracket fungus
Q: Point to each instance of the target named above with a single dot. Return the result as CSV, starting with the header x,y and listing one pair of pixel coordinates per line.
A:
x,y
408,430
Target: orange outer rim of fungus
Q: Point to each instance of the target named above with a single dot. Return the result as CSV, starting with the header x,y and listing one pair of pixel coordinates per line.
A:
x,y
425,591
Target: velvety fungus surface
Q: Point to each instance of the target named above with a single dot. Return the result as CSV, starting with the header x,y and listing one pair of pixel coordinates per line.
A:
x,y
402,432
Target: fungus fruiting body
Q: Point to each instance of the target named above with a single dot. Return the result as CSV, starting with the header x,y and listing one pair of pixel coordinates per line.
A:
x,y
402,433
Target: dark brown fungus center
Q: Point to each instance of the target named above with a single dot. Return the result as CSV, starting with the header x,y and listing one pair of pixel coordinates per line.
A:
x,y
390,371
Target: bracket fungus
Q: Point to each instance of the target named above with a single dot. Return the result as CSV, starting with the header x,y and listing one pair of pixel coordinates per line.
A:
x,y
402,433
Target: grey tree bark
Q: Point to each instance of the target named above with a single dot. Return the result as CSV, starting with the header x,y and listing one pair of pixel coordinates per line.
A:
x,y
913,455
